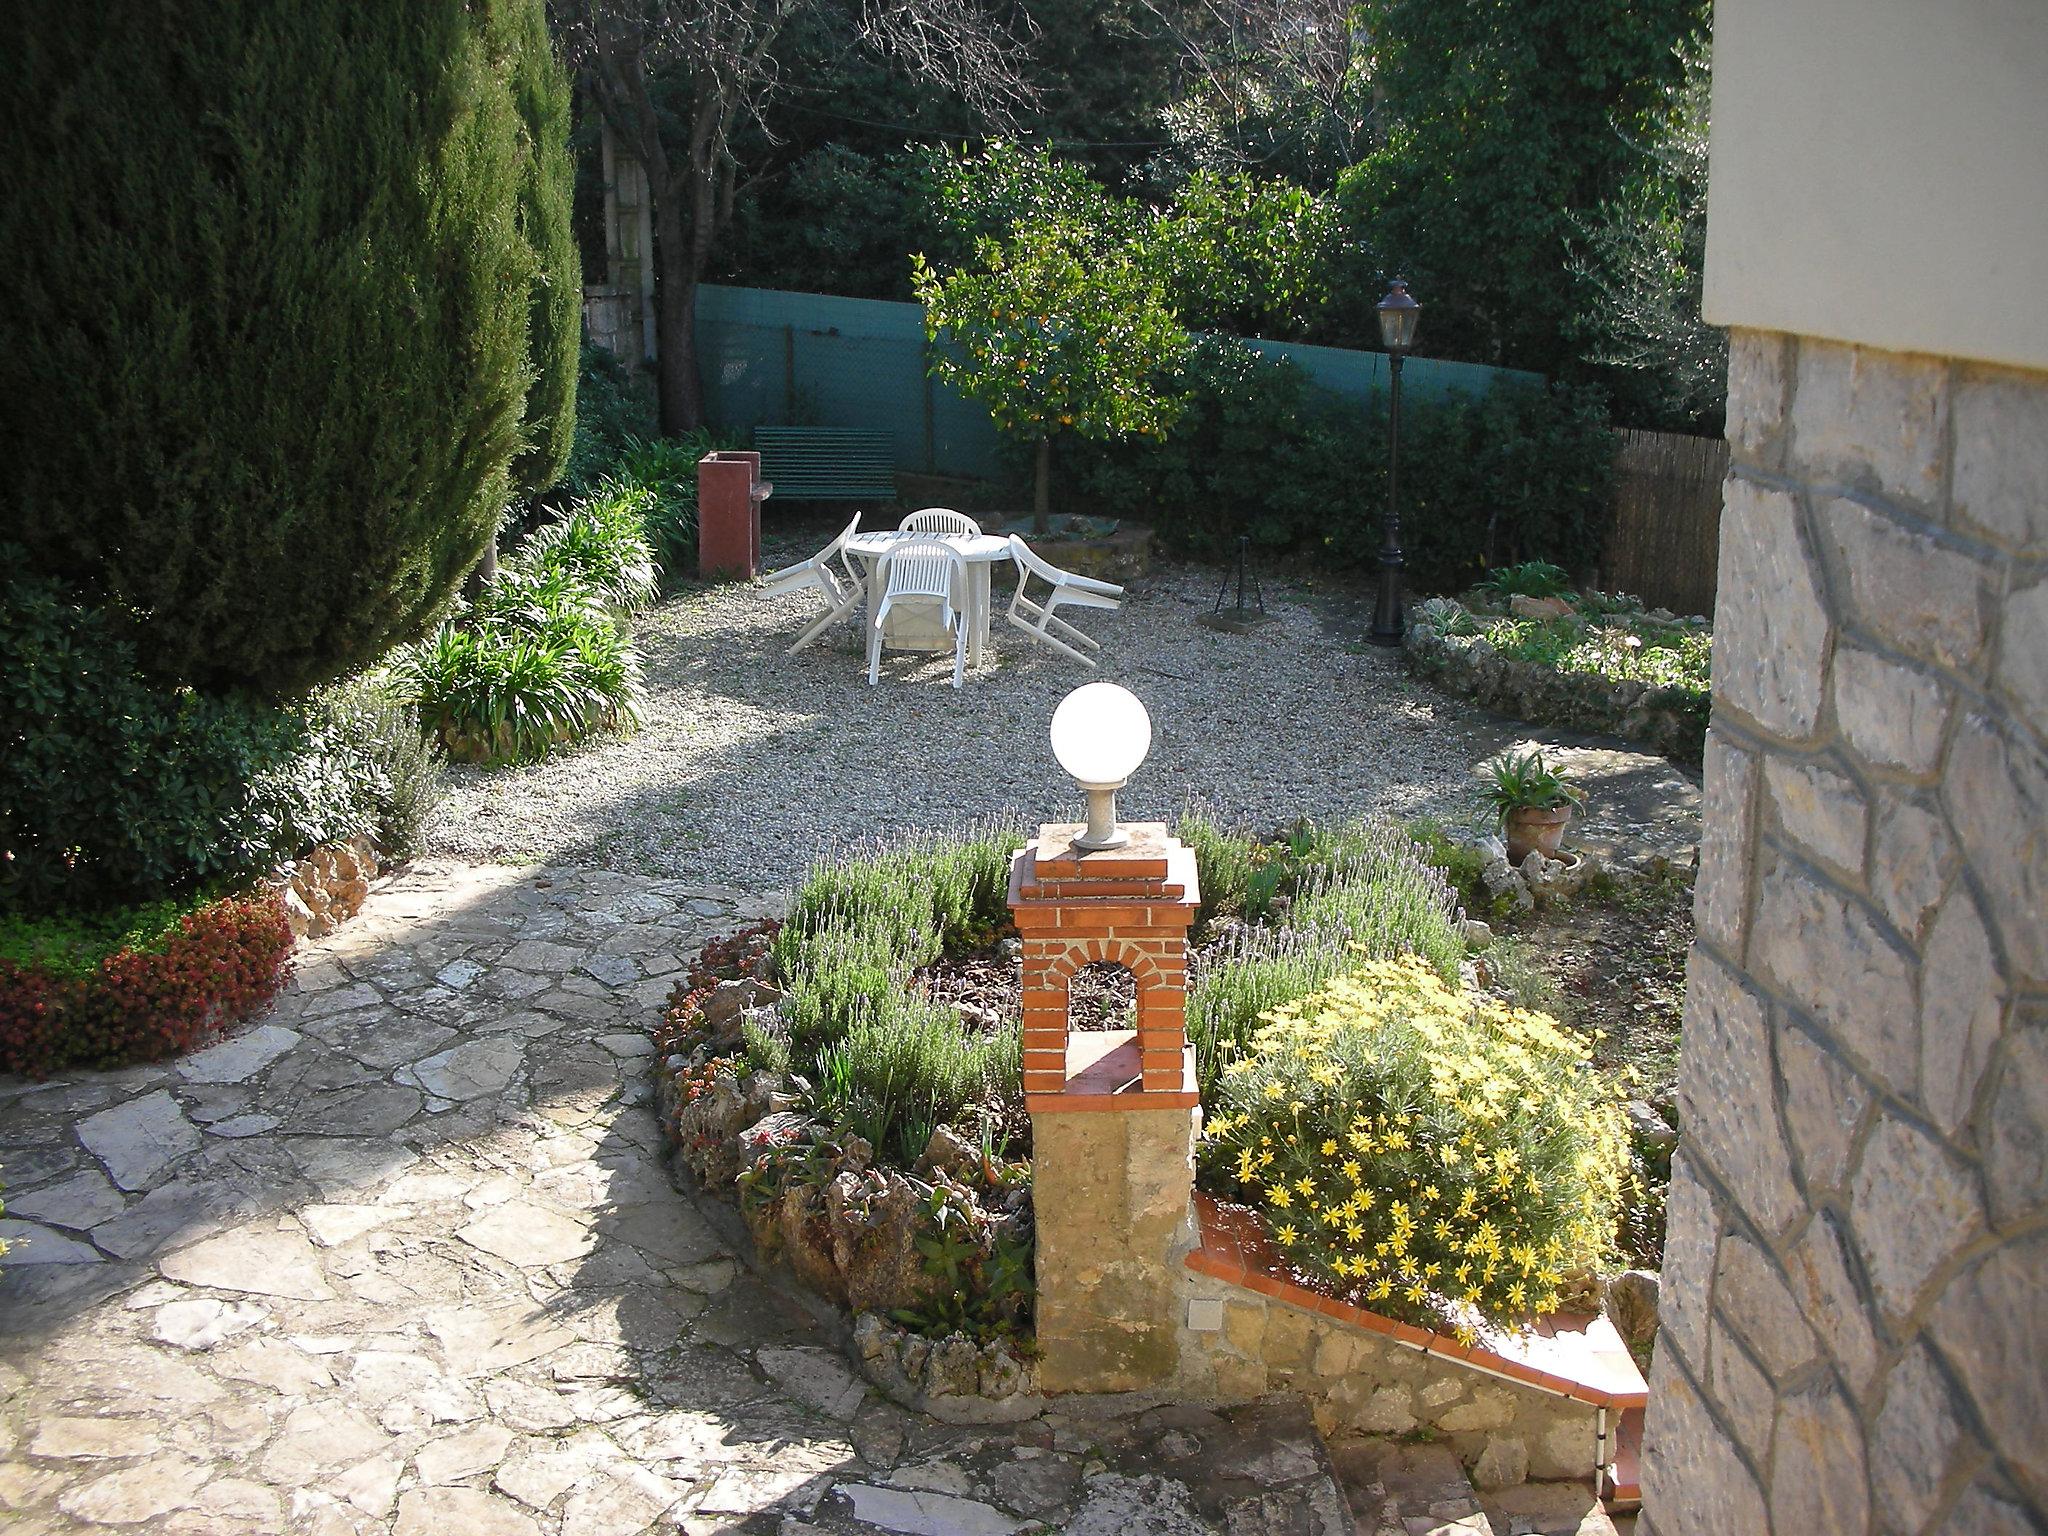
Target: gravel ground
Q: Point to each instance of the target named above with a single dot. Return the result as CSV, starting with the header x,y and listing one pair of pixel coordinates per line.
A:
x,y
752,760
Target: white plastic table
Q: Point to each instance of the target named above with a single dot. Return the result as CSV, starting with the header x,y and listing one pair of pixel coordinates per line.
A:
x,y
913,629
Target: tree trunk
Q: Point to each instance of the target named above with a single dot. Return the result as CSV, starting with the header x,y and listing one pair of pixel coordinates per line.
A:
x,y
1041,491
682,391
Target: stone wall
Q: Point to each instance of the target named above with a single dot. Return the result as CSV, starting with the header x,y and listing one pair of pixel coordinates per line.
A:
x,y
1666,720
1855,1319
1240,1345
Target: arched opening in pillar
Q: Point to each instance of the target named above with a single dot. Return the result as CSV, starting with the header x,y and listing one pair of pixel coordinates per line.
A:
x,y
1102,995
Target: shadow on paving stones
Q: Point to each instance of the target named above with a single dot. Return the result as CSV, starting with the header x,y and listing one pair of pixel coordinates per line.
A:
x,y
1171,1471
402,1256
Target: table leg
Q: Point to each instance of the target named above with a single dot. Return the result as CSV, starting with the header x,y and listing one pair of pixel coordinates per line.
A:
x,y
980,574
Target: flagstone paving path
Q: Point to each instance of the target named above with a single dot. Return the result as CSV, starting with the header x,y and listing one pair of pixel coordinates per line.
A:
x,y
404,1257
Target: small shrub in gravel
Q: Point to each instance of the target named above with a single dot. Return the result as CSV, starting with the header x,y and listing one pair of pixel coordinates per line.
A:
x,y
601,542
541,659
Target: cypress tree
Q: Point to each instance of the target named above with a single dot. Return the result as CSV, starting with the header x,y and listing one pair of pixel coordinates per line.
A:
x,y
540,89
272,295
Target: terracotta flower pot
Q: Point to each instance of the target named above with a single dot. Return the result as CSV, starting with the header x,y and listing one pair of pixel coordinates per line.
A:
x,y
1528,828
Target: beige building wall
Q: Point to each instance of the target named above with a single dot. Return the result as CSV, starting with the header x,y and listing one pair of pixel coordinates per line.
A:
x,y
1879,173
1856,1296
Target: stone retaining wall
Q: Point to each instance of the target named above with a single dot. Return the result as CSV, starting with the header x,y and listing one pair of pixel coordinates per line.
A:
x,y
1240,1345
329,885
1661,719
1509,1408
1855,1312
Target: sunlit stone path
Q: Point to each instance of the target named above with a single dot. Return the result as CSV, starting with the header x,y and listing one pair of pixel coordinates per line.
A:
x,y
404,1257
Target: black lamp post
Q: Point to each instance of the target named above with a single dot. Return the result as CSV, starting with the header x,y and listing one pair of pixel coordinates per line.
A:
x,y
1398,314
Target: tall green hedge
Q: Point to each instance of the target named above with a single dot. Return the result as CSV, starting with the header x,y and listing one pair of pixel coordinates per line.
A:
x,y
272,290
1520,473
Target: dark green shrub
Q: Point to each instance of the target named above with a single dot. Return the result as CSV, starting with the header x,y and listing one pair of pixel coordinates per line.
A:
x,y
270,355
1521,473
374,731
114,789
1531,578
614,406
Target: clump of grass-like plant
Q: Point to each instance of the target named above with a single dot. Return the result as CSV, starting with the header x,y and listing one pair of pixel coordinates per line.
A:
x,y
1259,969
901,1072
601,541
885,1062
1335,895
541,658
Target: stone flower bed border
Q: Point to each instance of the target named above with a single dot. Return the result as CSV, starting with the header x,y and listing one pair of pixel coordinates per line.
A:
x,y
816,1215
840,1236
1667,720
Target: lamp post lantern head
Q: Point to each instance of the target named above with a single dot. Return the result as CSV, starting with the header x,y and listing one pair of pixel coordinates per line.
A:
x,y
1398,314
1100,734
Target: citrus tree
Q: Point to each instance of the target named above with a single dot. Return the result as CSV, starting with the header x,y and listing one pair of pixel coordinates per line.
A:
x,y
1061,318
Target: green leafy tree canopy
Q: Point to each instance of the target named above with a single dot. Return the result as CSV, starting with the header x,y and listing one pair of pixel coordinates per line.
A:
x,y
1069,311
1502,122
1063,322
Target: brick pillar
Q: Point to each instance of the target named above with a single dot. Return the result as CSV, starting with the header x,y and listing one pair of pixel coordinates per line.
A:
x,y
1113,1112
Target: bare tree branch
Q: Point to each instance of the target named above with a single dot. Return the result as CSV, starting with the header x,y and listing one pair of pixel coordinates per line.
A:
x,y
718,59
1249,53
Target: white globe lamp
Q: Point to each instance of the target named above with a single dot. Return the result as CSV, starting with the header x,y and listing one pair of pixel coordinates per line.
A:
x,y
1100,734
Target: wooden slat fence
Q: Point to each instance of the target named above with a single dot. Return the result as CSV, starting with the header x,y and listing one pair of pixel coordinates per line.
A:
x,y
1664,542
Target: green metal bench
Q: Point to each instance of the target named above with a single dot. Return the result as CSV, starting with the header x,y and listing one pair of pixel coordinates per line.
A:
x,y
828,463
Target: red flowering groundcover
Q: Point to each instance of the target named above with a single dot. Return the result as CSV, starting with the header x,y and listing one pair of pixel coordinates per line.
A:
x,y
223,964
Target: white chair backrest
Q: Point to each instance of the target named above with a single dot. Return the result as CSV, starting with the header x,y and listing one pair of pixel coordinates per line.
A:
x,y
938,520
922,568
1027,560
838,545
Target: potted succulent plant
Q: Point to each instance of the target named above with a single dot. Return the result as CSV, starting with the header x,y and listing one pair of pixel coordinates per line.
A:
x,y
1533,799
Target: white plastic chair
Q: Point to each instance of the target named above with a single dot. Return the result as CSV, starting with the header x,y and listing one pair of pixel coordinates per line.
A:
x,y
925,573
843,588
938,520
1037,620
